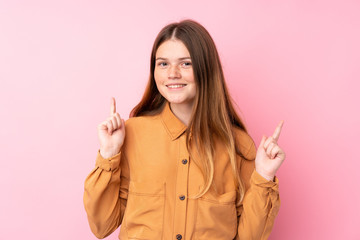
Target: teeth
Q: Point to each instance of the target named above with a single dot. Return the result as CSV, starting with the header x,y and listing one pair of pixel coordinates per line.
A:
x,y
176,86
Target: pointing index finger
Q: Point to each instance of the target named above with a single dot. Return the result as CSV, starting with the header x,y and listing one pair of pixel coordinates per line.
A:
x,y
113,106
278,130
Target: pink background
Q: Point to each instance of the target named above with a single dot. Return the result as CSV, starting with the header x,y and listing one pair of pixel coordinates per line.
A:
x,y
61,61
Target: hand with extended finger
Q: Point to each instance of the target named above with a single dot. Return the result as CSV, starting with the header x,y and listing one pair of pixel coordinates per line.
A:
x,y
111,133
269,156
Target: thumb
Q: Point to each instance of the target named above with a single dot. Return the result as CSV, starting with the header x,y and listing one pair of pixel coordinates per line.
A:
x,y
263,139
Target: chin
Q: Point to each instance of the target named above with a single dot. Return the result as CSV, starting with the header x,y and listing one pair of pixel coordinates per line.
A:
x,y
176,101
179,102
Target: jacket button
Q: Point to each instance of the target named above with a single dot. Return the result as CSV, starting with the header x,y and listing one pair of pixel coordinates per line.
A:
x,y
178,236
184,161
182,197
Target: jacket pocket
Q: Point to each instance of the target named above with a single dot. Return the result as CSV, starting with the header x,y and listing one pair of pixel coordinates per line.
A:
x,y
145,210
216,217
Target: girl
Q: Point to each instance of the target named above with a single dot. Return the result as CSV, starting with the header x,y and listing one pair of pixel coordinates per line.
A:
x,y
186,167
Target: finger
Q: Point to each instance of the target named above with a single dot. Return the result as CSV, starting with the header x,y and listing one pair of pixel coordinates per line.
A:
x,y
118,120
123,123
268,141
114,122
278,130
281,154
103,125
274,151
109,126
113,106
270,148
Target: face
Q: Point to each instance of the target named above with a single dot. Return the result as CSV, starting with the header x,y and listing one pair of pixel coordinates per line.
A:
x,y
173,73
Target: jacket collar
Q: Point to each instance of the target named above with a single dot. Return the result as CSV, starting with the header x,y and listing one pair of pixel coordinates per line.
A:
x,y
172,124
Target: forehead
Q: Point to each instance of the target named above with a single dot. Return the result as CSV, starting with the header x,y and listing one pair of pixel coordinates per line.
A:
x,y
172,49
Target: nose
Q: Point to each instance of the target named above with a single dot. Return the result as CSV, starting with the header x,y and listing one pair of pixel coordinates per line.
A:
x,y
174,72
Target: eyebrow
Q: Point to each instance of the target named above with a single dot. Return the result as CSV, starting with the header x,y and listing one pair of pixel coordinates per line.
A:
x,y
161,58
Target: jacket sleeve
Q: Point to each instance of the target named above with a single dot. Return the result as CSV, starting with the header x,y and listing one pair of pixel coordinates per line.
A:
x,y
260,205
105,195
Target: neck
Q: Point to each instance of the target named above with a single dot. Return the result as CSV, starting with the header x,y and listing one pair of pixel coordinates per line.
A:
x,y
182,111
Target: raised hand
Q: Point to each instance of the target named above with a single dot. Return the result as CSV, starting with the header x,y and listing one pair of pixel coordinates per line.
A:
x,y
269,155
111,133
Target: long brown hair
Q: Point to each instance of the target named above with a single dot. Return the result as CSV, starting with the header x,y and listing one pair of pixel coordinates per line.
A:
x,y
209,119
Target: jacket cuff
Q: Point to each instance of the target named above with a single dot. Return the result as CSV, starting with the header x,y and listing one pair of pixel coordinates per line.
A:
x,y
258,180
108,164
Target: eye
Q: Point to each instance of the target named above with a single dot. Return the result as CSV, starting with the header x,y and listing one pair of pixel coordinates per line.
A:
x,y
162,64
186,64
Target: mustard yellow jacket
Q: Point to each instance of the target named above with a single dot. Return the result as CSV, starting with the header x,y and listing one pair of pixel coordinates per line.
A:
x,y
145,188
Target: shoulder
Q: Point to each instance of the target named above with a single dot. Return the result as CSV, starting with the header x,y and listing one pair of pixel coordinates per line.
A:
x,y
244,143
141,120
140,123
140,129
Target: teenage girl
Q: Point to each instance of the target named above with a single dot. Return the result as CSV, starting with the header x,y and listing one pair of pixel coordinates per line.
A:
x,y
183,165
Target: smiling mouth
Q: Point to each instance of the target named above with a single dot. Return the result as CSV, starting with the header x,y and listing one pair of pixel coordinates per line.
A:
x,y
175,86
